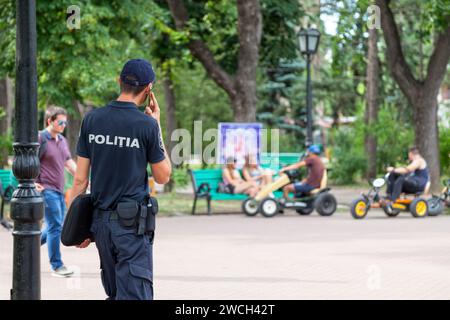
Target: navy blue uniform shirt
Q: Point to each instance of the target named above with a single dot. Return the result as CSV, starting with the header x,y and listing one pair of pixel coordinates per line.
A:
x,y
120,141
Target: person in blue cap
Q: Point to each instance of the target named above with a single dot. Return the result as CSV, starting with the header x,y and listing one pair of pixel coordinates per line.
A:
x,y
316,170
116,143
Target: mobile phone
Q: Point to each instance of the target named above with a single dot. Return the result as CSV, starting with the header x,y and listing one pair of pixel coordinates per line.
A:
x,y
152,106
147,101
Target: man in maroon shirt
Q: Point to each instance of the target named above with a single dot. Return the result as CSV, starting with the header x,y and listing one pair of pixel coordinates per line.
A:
x,y
54,156
315,173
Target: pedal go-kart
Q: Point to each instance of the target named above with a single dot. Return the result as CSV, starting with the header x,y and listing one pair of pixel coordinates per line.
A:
x,y
413,203
320,199
436,203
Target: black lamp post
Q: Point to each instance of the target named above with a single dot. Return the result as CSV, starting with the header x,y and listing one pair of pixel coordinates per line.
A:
x,y
309,41
26,205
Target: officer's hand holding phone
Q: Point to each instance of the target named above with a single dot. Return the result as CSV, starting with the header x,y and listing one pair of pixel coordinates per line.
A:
x,y
152,109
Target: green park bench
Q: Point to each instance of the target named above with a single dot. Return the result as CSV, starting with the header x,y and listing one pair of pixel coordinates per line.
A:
x,y
8,183
206,181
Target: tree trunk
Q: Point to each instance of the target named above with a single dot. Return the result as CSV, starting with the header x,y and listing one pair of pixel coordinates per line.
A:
x,y
6,106
249,31
371,114
427,135
244,101
171,121
73,129
72,132
241,87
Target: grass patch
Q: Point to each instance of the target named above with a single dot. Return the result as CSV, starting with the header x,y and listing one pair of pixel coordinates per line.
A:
x,y
178,204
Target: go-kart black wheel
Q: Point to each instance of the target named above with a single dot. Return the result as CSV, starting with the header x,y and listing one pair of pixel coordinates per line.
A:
x,y
391,213
325,204
305,211
435,206
419,208
269,207
250,207
359,208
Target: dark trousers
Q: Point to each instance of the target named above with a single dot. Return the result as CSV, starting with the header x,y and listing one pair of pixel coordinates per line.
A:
x,y
126,260
398,183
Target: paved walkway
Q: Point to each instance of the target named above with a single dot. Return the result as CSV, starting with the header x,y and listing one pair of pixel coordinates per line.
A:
x,y
286,257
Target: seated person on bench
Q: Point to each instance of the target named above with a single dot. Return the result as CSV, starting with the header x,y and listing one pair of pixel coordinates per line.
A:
x,y
410,179
253,172
233,180
316,170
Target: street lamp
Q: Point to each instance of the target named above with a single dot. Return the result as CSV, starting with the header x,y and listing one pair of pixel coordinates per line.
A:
x,y
308,42
27,208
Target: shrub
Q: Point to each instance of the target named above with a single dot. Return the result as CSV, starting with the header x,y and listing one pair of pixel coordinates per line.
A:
x,y
444,148
348,161
180,177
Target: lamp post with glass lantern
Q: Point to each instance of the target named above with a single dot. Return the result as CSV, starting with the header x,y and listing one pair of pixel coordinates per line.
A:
x,y
308,43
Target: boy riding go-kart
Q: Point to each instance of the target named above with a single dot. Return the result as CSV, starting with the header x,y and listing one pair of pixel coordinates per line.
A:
x,y
310,194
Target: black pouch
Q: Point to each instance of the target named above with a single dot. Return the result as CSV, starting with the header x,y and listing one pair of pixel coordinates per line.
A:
x,y
152,210
78,221
127,212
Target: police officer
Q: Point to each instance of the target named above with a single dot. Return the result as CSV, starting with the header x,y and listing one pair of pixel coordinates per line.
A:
x,y
116,143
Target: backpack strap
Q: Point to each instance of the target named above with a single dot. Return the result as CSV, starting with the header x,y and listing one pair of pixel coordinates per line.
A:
x,y
42,144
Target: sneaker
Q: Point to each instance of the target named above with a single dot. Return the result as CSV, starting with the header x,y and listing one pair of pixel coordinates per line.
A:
x,y
62,272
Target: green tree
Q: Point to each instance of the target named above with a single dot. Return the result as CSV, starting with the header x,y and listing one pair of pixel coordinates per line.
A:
x,y
78,68
240,86
421,90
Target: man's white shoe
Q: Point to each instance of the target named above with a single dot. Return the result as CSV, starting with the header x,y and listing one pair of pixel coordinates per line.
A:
x,y
62,272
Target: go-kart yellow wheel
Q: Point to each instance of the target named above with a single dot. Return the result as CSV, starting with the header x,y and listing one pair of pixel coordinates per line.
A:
x,y
359,208
419,208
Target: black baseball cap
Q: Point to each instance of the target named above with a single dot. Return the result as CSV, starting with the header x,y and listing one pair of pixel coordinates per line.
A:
x,y
137,72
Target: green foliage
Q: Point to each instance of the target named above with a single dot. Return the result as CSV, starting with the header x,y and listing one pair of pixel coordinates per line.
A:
x,y
279,38
436,14
348,161
83,64
79,64
395,136
342,79
180,177
6,142
444,145
198,98
214,22
7,38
